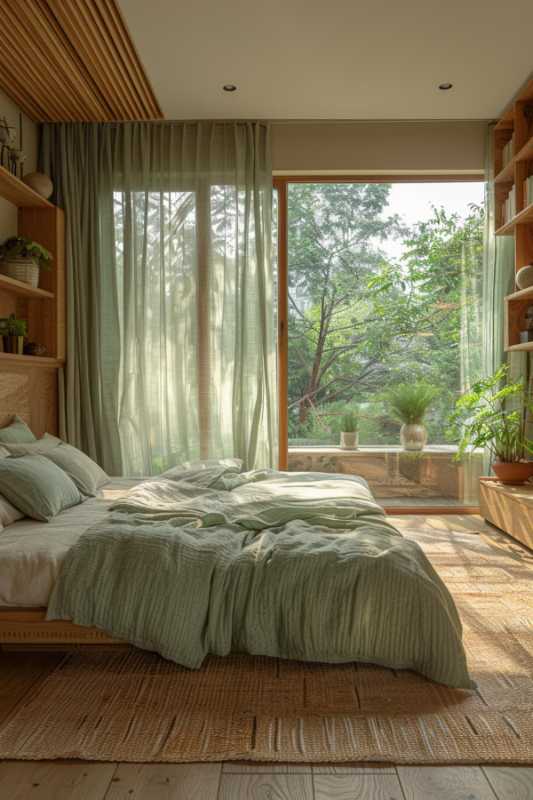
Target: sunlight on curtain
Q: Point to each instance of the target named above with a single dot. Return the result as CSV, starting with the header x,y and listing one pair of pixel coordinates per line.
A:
x,y
171,314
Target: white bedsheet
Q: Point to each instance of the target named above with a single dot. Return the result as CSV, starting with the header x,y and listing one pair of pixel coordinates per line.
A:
x,y
31,552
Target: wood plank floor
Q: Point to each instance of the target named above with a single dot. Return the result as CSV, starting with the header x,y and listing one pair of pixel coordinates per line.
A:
x,y
71,780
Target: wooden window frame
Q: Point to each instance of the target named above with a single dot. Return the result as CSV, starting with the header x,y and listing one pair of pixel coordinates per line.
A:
x,y
280,184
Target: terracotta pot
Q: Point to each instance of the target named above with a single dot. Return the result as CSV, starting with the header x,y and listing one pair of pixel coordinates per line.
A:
x,y
413,437
514,472
349,440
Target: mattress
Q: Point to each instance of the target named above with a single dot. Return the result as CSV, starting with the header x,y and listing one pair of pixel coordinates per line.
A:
x,y
31,553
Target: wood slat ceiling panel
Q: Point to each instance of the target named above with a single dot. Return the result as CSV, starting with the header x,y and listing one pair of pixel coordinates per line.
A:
x,y
73,60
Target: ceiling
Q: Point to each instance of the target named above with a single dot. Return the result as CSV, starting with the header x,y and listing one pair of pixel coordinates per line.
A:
x,y
340,59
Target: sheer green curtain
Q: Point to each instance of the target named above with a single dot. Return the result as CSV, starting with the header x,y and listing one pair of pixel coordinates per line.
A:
x,y
171,343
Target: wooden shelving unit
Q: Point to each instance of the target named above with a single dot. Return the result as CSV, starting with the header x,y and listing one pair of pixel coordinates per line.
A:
x,y
8,284
35,361
14,190
516,125
29,384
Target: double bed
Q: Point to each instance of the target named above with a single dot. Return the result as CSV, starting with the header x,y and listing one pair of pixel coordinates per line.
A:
x,y
213,560
31,555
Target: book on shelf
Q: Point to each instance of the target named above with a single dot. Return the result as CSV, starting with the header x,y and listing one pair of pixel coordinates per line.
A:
x,y
529,190
509,206
508,152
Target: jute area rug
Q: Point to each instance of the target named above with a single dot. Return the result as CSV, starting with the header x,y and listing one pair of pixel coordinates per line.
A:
x,y
127,705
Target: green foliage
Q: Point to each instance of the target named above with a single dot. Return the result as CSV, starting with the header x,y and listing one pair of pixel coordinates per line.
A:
x,y
493,415
409,402
361,323
16,327
350,422
21,246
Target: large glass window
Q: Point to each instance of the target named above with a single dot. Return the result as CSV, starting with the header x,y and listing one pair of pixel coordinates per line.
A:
x,y
384,289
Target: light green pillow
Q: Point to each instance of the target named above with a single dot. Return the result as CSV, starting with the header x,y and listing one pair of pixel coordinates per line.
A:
x,y
35,486
85,472
17,432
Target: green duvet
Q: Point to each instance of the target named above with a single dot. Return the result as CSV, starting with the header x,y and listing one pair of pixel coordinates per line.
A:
x,y
295,565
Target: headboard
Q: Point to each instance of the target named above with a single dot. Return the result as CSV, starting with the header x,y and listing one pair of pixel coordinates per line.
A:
x,y
31,392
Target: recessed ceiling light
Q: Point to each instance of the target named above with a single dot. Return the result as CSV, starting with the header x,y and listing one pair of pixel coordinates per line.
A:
x,y
444,87
229,87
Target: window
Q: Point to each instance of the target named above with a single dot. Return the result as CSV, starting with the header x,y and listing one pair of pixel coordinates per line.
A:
x,y
384,294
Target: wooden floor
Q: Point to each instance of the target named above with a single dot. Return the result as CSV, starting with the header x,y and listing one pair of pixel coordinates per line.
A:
x,y
62,780
85,781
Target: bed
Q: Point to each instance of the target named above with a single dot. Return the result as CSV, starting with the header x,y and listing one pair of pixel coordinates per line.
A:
x,y
294,565
31,554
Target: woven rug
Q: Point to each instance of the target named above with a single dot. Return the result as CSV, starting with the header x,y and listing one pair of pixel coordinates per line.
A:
x,y
128,705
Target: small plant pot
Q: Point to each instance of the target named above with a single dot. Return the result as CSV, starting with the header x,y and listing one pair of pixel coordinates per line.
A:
x,y
23,269
513,472
349,440
15,344
413,437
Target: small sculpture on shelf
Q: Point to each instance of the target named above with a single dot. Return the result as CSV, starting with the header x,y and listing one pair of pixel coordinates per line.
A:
x,y
524,277
40,183
35,349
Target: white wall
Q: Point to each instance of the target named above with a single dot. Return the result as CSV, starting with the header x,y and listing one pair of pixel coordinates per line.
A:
x,y
378,147
8,212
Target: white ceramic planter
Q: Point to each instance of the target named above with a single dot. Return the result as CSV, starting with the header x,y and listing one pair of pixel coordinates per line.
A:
x,y
349,440
413,437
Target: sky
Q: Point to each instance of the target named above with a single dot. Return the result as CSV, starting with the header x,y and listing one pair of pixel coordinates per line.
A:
x,y
413,201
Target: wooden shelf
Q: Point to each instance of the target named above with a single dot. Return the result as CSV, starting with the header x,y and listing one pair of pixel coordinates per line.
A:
x,y
16,192
524,154
525,216
523,294
515,347
8,284
33,361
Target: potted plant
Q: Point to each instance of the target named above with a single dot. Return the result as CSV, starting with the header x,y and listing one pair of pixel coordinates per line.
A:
x,y
409,403
22,258
349,431
17,329
493,415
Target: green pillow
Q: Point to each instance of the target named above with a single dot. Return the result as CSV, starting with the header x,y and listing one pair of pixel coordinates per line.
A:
x,y
85,472
17,432
35,486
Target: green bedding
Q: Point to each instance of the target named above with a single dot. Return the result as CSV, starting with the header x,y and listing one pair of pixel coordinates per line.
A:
x,y
295,565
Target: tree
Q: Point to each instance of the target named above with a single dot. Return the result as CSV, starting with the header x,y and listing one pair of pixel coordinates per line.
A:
x,y
333,231
359,321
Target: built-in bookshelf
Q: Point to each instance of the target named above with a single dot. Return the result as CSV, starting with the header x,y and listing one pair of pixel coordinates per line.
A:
x,y
29,384
513,194
42,307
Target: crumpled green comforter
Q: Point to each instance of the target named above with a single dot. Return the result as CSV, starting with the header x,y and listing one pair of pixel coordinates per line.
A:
x,y
296,565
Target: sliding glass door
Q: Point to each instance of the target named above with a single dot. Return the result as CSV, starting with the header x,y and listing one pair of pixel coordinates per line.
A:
x,y
380,332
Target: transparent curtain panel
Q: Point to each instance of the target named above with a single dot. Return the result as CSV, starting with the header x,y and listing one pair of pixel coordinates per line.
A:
x,y
384,333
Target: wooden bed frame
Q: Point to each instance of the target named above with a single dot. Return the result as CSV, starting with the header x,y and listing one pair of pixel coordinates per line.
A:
x,y
28,626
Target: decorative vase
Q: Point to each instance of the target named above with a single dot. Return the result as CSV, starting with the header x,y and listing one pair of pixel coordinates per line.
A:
x,y
40,183
513,472
15,344
413,436
349,440
524,277
22,268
